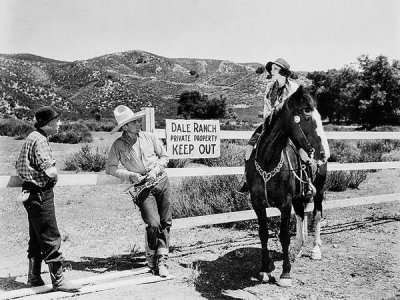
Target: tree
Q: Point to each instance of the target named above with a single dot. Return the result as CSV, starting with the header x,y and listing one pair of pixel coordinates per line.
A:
x,y
379,94
260,70
194,105
334,92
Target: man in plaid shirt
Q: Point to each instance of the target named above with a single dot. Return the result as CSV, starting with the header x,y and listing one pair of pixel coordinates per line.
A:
x,y
36,167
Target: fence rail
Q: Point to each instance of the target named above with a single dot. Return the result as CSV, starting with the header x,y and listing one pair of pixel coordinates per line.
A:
x,y
101,179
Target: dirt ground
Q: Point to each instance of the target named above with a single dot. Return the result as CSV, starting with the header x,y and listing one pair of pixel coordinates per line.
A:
x,y
102,232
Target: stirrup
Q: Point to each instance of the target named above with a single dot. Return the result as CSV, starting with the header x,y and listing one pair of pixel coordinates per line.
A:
x,y
310,190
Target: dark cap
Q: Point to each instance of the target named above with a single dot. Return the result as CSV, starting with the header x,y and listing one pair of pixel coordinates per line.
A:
x,y
283,64
44,115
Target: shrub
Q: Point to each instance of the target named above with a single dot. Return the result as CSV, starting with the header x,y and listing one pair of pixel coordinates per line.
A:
x,y
393,155
178,163
360,150
86,160
99,125
231,155
373,150
15,128
356,178
339,181
72,134
208,195
215,194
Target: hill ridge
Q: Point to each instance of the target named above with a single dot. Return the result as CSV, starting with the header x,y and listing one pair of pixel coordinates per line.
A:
x,y
135,78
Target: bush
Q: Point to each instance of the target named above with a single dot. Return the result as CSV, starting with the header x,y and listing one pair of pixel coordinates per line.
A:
x,y
197,196
361,150
72,134
232,155
15,128
393,155
99,125
339,181
86,160
178,163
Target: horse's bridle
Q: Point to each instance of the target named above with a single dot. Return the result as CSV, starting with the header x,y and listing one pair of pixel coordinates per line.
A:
x,y
268,175
297,120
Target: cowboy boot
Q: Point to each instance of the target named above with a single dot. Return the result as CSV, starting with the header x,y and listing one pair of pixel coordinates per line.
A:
x,y
35,266
162,268
151,256
58,280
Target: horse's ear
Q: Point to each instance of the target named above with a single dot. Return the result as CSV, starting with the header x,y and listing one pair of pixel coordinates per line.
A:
x,y
311,89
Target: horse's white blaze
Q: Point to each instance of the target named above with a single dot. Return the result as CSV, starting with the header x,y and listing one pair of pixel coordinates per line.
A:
x,y
320,131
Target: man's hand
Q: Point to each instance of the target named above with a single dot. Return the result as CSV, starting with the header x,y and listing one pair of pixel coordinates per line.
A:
x,y
134,177
52,172
151,176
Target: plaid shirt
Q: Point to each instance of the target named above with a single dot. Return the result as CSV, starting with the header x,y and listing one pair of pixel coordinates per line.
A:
x,y
289,88
152,156
35,157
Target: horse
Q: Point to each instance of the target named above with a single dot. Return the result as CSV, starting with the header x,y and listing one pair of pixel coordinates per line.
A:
x,y
273,180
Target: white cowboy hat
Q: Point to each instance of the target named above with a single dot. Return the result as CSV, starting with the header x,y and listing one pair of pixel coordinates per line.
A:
x,y
124,115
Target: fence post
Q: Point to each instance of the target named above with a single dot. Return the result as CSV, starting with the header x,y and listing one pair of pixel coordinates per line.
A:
x,y
149,124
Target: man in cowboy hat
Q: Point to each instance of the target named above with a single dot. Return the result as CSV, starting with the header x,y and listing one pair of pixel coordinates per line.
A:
x,y
143,156
36,167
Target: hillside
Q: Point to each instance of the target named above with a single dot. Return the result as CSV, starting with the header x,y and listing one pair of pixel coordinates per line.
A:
x,y
135,78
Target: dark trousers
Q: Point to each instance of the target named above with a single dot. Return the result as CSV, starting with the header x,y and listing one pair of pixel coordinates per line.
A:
x,y
44,237
156,210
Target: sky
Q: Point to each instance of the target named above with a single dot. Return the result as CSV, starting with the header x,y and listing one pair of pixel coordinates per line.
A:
x,y
311,35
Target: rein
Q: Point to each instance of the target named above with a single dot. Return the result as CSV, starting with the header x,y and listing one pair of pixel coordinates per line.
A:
x,y
266,176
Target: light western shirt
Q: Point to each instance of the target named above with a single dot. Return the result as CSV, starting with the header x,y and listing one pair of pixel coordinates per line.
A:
x,y
123,159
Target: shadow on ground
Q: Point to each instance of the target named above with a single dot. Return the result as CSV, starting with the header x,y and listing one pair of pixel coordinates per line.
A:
x,y
11,283
234,271
113,263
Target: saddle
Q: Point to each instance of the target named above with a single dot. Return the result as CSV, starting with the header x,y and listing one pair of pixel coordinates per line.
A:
x,y
141,187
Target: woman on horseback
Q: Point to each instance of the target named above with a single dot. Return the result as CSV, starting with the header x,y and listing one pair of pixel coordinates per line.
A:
x,y
278,90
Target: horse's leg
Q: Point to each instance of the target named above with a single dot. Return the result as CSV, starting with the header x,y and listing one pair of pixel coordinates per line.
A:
x,y
318,198
267,264
301,235
301,227
284,237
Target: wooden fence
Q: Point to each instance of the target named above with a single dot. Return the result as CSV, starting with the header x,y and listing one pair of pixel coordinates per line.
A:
x,y
101,179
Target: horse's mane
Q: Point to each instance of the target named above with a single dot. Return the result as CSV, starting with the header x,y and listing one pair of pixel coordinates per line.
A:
x,y
270,122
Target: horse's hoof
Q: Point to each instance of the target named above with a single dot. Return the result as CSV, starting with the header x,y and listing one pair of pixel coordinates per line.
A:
x,y
316,253
265,277
284,282
316,256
